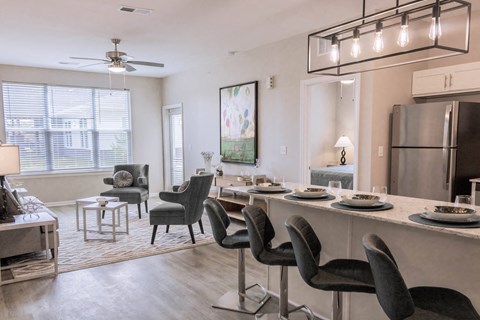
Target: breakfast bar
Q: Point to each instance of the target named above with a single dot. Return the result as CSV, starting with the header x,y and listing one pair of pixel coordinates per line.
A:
x,y
426,255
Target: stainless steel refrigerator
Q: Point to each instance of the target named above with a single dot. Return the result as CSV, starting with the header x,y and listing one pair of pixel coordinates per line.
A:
x,y
435,149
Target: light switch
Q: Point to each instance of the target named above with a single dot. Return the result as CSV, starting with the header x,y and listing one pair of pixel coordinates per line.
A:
x,y
283,150
380,151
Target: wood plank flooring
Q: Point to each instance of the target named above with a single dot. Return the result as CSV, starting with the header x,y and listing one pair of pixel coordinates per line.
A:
x,y
178,285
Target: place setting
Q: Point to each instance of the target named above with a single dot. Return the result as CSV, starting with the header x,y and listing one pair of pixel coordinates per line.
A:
x,y
310,194
269,188
358,201
461,214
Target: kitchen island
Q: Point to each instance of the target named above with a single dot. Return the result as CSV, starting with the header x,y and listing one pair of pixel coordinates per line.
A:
x,y
426,255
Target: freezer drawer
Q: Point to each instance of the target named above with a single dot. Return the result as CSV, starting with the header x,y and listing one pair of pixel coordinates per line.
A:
x,y
422,173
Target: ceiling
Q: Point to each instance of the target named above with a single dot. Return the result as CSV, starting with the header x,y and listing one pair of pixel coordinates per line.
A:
x,y
182,34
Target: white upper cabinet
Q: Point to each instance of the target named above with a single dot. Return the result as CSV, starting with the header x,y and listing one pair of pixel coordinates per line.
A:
x,y
455,79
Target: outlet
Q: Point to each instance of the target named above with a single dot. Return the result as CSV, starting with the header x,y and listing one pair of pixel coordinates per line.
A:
x,y
380,151
283,150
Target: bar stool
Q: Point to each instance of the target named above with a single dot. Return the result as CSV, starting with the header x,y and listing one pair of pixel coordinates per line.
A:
x,y
338,275
234,300
418,303
261,233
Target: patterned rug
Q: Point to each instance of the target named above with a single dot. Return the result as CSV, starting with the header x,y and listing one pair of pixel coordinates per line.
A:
x,y
75,253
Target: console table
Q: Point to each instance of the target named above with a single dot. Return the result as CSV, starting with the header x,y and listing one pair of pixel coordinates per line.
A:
x,y
44,220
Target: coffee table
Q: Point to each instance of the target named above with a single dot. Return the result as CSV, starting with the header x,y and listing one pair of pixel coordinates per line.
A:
x,y
113,207
85,201
44,219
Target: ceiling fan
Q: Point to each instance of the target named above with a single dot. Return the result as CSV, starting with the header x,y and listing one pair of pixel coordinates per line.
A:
x,y
119,61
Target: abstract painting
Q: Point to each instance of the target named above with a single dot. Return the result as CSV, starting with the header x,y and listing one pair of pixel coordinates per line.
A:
x,y
238,123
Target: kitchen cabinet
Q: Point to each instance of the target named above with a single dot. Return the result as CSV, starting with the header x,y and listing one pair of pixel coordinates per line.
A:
x,y
456,79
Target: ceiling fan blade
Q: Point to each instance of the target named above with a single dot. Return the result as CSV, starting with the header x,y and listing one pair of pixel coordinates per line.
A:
x,y
126,58
148,64
94,64
129,68
91,59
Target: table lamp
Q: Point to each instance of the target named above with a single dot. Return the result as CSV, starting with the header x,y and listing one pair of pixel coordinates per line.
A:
x,y
343,142
9,164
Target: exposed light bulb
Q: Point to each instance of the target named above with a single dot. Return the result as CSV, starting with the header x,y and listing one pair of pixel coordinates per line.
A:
x,y
378,42
435,26
334,51
356,49
403,36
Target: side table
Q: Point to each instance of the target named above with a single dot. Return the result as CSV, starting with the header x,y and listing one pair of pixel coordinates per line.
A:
x,y
113,207
89,200
44,219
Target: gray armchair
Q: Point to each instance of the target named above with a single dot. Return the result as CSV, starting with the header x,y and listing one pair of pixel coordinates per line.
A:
x,y
182,208
135,194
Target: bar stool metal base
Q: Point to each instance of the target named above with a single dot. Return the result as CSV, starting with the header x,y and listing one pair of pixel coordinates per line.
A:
x,y
255,297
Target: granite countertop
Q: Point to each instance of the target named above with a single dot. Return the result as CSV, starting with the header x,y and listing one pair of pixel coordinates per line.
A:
x,y
403,208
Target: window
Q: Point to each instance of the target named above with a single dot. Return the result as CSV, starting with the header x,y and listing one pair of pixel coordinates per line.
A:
x,y
67,128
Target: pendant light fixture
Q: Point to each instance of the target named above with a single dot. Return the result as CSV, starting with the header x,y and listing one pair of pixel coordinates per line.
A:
x,y
356,49
378,42
334,50
435,26
403,34
404,37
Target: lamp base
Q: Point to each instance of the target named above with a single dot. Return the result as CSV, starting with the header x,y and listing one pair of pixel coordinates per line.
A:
x,y
342,159
7,219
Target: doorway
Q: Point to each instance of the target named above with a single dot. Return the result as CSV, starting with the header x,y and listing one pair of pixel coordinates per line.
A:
x,y
173,145
329,109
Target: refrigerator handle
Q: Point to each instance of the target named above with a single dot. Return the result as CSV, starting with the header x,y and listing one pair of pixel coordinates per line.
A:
x,y
446,168
447,126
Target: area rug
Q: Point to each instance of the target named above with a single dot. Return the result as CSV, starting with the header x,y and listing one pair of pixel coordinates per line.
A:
x,y
74,253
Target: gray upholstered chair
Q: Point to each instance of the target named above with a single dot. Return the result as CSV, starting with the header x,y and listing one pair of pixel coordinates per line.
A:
x,y
418,303
338,275
135,194
243,299
260,235
182,208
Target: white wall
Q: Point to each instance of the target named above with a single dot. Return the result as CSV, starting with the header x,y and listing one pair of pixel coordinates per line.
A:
x,y
146,131
345,118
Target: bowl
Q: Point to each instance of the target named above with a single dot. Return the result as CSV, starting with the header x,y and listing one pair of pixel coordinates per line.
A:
x,y
362,200
268,187
450,213
310,192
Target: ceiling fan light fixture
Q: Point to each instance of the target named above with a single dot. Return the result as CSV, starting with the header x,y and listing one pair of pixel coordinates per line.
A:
x,y
116,67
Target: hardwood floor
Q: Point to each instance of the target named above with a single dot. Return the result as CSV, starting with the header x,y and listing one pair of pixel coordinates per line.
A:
x,y
177,285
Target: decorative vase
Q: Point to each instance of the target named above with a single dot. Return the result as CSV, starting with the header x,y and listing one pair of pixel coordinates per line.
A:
x,y
207,158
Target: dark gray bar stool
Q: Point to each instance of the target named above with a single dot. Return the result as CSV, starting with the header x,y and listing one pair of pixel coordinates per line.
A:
x,y
261,233
234,300
418,303
338,275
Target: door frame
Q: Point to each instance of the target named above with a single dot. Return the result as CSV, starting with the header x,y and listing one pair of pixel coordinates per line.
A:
x,y
305,112
166,143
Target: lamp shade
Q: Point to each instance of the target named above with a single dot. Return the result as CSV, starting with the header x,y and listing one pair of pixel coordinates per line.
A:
x,y
343,142
9,159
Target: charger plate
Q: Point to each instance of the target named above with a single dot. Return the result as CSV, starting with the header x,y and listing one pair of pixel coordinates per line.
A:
x,y
269,192
417,217
328,197
385,206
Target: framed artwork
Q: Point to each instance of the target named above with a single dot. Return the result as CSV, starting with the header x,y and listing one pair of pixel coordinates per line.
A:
x,y
238,123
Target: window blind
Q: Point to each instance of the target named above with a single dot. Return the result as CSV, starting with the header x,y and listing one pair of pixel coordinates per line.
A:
x,y
67,128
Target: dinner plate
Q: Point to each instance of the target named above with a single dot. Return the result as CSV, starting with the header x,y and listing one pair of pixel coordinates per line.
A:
x,y
471,219
361,200
362,205
310,193
306,195
269,188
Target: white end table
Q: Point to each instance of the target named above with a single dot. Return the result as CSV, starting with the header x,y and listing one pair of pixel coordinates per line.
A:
x,y
89,200
113,207
44,219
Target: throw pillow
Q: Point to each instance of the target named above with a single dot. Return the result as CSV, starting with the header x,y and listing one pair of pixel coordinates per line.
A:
x,y
183,186
13,207
122,179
